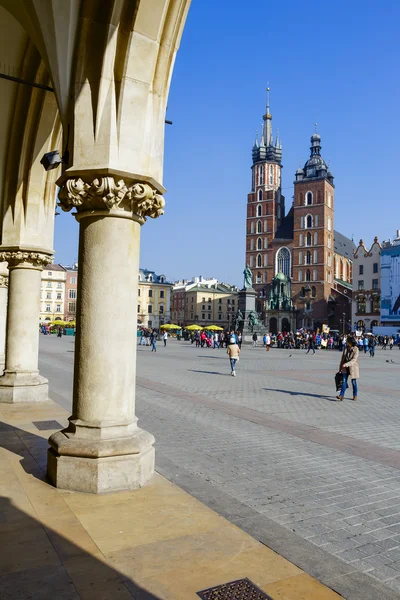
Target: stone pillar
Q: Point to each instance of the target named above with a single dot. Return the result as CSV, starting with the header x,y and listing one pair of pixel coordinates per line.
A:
x,y
103,448
21,381
3,319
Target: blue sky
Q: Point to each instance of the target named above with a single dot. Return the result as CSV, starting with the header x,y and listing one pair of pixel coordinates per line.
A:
x,y
336,64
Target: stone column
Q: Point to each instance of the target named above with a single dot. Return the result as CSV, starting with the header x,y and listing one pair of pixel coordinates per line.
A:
x,y
103,448
21,381
3,319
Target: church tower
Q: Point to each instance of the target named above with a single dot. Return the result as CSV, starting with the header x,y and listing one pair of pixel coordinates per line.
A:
x,y
265,204
313,239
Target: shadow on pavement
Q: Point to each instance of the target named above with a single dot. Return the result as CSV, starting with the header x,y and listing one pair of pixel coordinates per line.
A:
x,y
32,565
291,393
208,372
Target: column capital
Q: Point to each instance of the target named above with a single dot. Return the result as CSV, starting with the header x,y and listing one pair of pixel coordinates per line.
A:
x,y
111,195
26,258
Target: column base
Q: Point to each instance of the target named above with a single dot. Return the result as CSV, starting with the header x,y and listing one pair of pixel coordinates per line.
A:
x,y
98,466
23,387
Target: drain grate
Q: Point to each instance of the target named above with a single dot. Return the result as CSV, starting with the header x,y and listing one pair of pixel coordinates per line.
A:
x,y
242,589
44,425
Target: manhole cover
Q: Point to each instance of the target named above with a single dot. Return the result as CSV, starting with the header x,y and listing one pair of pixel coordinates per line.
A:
x,y
242,589
44,425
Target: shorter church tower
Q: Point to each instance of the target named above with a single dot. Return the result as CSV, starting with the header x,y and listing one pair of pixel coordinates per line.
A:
x,y
313,239
265,204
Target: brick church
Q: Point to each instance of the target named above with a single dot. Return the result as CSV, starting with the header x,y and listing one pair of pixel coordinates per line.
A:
x,y
302,244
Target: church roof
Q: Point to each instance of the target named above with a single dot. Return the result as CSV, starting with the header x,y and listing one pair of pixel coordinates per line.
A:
x,y
285,231
343,245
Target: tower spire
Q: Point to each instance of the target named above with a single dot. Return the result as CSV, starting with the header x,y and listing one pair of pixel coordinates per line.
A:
x,y
267,130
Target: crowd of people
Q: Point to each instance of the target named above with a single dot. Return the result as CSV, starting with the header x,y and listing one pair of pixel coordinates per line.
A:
x,y
350,345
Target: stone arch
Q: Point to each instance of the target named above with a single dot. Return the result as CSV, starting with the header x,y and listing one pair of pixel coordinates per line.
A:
x,y
273,325
285,327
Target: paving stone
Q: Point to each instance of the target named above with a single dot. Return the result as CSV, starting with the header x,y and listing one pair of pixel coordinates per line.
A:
x,y
252,438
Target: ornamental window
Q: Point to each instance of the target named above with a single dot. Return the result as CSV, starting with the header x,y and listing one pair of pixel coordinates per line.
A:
x,y
283,261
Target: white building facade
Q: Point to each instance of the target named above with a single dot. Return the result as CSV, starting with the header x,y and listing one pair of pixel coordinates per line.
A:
x,y
366,287
52,293
154,299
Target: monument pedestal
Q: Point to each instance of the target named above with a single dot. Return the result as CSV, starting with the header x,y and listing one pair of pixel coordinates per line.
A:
x,y
247,305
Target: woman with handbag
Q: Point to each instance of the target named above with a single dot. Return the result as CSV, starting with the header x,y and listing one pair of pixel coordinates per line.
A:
x,y
349,367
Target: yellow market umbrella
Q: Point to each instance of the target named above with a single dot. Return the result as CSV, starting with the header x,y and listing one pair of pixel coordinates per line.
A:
x,y
193,328
213,328
170,326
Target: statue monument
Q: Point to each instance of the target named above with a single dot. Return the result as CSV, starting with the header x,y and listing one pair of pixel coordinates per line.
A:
x,y
247,319
248,278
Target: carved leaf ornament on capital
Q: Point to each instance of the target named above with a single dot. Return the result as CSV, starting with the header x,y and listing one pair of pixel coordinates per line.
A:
x,y
105,193
36,259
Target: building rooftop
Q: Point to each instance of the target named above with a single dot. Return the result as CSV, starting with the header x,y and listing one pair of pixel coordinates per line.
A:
x,y
343,245
285,231
146,276
54,267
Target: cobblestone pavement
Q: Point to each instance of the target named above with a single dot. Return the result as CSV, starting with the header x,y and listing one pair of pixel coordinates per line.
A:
x,y
274,439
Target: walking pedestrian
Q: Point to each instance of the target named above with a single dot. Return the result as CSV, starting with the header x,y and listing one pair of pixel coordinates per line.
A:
x,y
349,367
239,340
165,337
311,344
255,338
153,341
366,344
372,344
267,342
233,352
216,344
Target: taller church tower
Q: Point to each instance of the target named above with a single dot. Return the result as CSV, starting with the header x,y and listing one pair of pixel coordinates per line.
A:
x,y
265,203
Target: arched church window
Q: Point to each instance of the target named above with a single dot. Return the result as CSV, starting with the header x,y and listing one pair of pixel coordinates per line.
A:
x,y
259,278
260,175
252,227
265,243
329,200
259,195
308,239
313,291
309,198
329,224
283,261
259,244
259,210
271,174
308,275
308,221
308,258
252,244
259,260
259,227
